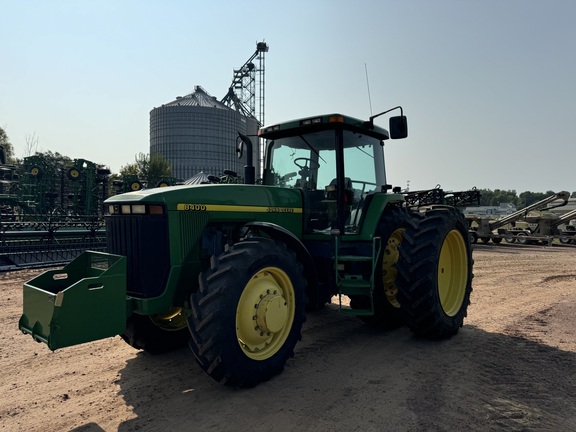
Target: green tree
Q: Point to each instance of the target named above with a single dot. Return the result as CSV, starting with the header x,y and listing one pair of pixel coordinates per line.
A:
x,y
485,196
528,198
150,169
56,159
501,196
157,169
7,145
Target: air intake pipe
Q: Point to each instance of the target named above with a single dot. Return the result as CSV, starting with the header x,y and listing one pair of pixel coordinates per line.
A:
x,y
249,170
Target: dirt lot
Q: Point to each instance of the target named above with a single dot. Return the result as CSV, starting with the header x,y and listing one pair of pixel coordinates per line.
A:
x,y
512,367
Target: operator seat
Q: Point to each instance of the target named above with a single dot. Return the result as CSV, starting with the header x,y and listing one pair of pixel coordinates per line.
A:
x,y
332,196
332,191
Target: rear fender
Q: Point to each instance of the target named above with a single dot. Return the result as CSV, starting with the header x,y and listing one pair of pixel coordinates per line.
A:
x,y
373,209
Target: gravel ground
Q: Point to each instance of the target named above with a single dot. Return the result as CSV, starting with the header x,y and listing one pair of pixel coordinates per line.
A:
x,y
511,367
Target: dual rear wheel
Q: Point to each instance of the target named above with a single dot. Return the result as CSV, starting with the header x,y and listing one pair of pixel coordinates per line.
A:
x,y
424,272
435,273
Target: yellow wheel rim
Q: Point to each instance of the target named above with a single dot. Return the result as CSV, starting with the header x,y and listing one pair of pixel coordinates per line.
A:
x,y
389,272
173,320
265,313
74,173
135,186
452,273
35,171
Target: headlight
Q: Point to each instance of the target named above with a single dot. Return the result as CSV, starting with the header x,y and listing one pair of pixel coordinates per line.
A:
x,y
135,209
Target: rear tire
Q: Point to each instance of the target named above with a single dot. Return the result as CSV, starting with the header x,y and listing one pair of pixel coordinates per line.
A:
x,y
248,313
435,273
387,312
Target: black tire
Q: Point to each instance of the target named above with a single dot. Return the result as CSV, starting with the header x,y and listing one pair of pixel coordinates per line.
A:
x,y
473,237
73,174
435,273
497,240
36,171
387,312
247,314
157,334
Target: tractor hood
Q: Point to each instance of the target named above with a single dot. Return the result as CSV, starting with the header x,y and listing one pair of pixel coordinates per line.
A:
x,y
214,197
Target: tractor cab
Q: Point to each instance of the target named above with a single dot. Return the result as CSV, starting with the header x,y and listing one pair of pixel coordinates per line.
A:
x,y
335,160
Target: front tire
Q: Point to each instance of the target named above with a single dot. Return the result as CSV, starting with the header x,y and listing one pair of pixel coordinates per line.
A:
x,y
248,313
435,273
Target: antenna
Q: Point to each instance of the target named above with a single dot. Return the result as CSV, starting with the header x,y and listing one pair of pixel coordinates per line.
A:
x,y
368,85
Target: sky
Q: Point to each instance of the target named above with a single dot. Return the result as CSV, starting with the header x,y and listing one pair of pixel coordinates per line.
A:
x,y
489,87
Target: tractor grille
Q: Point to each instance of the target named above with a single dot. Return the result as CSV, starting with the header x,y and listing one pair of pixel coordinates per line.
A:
x,y
143,239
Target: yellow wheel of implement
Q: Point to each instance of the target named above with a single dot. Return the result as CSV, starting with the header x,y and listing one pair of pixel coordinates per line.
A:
x,y
452,273
73,174
265,313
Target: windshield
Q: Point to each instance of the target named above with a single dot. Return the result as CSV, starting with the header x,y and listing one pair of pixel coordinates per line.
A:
x,y
309,161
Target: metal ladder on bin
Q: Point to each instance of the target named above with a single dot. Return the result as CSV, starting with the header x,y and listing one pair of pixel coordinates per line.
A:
x,y
356,284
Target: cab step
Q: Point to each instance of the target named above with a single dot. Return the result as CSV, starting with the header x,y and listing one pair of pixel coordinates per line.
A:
x,y
354,258
356,284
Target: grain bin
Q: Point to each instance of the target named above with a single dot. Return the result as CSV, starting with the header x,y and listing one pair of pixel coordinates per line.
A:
x,y
197,133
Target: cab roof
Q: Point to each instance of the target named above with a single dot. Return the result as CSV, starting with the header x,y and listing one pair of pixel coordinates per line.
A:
x,y
323,122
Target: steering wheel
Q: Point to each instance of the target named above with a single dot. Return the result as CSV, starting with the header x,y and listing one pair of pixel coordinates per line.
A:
x,y
307,163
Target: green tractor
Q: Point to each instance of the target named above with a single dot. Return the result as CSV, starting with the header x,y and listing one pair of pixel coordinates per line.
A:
x,y
232,269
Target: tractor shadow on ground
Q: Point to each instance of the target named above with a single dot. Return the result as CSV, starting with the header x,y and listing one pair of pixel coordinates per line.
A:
x,y
348,376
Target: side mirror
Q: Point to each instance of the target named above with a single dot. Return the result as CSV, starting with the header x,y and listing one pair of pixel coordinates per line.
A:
x,y
398,127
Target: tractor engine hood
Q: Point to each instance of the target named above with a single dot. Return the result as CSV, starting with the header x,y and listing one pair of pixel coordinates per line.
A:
x,y
213,198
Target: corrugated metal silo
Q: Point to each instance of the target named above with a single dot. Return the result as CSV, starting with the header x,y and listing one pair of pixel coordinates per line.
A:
x,y
196,133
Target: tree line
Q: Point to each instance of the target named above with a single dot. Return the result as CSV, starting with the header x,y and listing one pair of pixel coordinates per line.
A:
x,y
149,169
500,196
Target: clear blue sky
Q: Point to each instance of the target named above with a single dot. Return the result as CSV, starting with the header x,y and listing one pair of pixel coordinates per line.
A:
x,y
489,87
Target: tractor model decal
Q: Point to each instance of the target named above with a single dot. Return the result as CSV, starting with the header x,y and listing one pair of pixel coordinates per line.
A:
x,y
236,208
